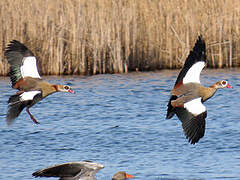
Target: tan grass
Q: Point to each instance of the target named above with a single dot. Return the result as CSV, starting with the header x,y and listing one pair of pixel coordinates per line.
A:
x,y
113,36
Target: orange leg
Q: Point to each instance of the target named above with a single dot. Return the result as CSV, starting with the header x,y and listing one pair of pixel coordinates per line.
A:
x,y
31,116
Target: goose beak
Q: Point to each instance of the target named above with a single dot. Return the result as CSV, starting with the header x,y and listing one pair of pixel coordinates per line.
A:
x,y
71,91
229,86
129,176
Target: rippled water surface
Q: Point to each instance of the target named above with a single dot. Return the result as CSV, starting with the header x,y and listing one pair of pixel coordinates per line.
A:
x,y
119,121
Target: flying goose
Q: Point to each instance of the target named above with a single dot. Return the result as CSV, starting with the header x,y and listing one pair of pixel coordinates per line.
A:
x,y
188,95
25,77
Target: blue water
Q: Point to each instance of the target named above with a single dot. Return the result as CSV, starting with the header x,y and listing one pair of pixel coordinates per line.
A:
x,y
119,121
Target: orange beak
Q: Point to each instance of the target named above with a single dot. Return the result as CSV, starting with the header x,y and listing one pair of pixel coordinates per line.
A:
x,y
129,176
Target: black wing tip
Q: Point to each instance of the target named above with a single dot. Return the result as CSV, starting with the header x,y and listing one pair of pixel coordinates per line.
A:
x,y
200,37
11,117
43,173
170,115
201,40
12,45
37,174
193,141
198,53
16,46
170,109
200,48
15,107
10,121
194,128
51,171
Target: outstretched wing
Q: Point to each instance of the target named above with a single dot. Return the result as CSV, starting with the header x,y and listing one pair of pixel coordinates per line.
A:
x,y
22,62
193,66
61,170
71,169
193,116
19,101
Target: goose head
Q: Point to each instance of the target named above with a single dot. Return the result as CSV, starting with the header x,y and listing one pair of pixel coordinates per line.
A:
x,y
222,84
121,175
65,88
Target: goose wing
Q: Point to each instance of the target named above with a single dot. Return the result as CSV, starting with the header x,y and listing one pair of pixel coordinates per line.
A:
x,y
19,101
193,116
190,73
71,169
194,64
22,62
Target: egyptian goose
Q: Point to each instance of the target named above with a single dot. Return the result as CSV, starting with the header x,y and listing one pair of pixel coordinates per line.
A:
x,y
83,170
188,95
25,77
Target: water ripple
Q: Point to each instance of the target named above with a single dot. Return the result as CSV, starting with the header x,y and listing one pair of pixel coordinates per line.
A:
x,y
119,121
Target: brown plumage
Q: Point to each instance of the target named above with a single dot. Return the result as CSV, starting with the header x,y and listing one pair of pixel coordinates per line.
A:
x,y
122,175
25,77
188,94
190,91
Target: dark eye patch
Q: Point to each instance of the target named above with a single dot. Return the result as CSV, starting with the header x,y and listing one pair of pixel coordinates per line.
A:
x,y
67,87
224,82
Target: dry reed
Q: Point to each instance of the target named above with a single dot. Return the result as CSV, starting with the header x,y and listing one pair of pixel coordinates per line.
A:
x,y
112,36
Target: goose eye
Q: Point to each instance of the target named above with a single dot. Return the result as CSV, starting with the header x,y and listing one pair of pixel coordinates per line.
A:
x,y
67,87
224,83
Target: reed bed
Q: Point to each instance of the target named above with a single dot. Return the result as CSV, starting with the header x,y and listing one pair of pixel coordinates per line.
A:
x,y
111,36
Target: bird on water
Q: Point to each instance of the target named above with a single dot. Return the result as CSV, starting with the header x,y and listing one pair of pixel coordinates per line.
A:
x,y
82,170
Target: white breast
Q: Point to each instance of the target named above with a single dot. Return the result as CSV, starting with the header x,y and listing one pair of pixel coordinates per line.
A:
x,y
195,106
29,95
29,67
193,74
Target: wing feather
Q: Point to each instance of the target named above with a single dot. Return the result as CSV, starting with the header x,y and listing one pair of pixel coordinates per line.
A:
x,y
193,74
71,169
195,106
194,128
29,67
192,116
193,66
198,54
29,95
19,101
22,61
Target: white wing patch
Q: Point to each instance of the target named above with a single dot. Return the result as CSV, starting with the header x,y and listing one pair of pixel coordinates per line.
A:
x,y
195,106
29,95
29,67
193,74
